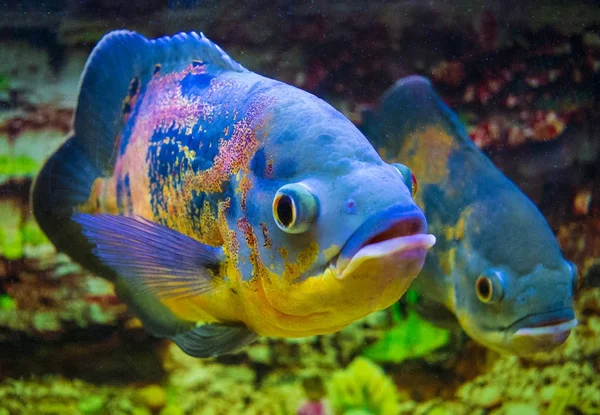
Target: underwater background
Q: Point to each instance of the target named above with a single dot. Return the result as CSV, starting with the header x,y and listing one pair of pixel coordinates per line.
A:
x,y
525,80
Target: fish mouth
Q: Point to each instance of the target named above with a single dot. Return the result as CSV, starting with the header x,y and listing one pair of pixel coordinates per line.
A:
x,y
394,239
543,331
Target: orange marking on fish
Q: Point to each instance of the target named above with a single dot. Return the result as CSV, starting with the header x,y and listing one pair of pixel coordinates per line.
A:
x,y
231,245
244,186
306,258
260,271
234,155
209,226
268,243
269,168
165,107
427,156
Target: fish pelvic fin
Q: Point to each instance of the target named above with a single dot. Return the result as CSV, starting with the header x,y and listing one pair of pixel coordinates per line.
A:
x,y
214,339
155,263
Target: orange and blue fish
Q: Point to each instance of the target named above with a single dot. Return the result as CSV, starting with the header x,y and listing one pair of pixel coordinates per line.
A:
x,y
496,266
225,205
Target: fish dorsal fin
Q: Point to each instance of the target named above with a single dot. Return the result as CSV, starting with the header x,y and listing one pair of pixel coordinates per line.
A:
x,y
125,60
411,105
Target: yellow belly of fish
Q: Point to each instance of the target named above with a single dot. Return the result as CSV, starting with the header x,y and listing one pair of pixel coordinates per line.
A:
x,y
273,307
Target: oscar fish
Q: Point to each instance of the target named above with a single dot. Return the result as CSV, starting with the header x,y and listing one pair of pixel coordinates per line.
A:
x,y
496,266
223,204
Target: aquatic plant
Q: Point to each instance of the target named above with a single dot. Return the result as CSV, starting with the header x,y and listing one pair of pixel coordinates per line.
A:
x,y
411,337
363,388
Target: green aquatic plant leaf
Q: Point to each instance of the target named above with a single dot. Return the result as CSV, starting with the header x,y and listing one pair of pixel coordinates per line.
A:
x,y
412,297
408,339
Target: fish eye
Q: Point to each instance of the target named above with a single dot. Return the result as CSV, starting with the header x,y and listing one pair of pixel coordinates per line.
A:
x,y
409,179
285,211
574,275
489,287
294,208
484,289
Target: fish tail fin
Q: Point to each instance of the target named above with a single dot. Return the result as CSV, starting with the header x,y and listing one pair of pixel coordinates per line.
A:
x,y
63,183
412,105
66,179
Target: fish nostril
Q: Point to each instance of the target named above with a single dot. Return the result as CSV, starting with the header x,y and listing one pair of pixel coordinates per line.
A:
x,y
350,206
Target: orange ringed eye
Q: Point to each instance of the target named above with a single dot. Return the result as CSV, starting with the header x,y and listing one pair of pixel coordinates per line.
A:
x,y
415,185
483,288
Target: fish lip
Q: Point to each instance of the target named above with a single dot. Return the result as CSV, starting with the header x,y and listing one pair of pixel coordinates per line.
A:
x,y
540,324
395,224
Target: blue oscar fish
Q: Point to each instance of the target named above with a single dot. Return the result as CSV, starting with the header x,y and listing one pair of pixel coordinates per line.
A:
x,y
225,205
496,266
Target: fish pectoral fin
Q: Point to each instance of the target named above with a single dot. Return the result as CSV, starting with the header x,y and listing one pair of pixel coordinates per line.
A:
x,y
151,257
214,339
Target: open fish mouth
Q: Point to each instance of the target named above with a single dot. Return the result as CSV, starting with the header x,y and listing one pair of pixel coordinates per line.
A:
x,y
551,328
544,324
394,240
542,332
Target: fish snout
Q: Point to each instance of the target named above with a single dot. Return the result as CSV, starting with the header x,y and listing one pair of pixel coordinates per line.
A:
x,y
393,242
542,331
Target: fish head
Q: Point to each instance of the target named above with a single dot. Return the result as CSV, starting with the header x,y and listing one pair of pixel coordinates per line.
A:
x,y
513,288
335,227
